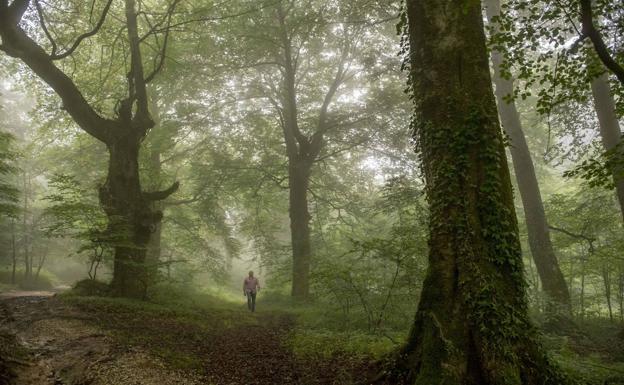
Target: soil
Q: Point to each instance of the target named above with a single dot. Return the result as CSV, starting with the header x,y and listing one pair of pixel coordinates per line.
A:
x,y
48,341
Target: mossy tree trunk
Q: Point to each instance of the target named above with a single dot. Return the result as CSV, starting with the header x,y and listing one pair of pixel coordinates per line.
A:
x,y
551,277
471,326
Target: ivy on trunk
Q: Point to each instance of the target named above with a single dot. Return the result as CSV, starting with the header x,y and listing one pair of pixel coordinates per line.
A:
x,y
471,326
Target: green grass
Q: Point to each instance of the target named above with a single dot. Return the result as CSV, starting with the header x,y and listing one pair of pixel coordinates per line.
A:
x,y
328,343
591,370
176,325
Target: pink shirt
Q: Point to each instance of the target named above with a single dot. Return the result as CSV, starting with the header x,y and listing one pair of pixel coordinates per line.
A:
x,y
250,284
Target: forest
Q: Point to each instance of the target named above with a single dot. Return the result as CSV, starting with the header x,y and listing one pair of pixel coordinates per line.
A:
x,y
230,192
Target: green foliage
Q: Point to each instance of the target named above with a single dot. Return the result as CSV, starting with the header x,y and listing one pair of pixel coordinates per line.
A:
x,y
601,171
73,212
315,343
544,48
586,230
375,281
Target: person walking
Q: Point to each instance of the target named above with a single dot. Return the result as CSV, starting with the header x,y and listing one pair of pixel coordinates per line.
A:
x,y
251,286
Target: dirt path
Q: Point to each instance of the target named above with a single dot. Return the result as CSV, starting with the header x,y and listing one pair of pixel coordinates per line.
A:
x,y
25,293
56,344
48,341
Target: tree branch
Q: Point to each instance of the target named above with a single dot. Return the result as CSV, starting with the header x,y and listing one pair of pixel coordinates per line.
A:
x,y
85,35
136,76
160,195
16,43
589,29
163,51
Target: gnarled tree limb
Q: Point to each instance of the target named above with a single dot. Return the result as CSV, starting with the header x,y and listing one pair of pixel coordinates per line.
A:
x,y
16,43
160,195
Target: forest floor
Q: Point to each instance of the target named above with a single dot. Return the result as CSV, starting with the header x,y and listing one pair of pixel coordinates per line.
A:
x,y
69,339
72,340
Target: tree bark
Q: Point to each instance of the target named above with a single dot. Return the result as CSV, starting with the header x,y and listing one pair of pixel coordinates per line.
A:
x,y
471,326
131,219
302,150
551,277
609,126
299,179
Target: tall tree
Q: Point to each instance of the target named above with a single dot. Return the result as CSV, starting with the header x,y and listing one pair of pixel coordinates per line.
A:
x,y
127,206
608,123
551,277
472,325
301,57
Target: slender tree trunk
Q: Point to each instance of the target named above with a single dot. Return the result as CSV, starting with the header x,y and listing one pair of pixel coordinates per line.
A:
x,y
610,133
606,279
14,251
42,260
621,293
472,325
25,232
553,282
299,179
582,299
155,178
154,245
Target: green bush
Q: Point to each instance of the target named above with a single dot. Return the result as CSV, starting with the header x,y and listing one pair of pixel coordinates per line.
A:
x,y
90,287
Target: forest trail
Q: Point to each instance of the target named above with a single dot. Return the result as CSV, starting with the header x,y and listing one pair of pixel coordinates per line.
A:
x,y
50,341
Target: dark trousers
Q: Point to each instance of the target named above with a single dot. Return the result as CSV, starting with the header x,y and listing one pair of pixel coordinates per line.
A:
x,y
251,300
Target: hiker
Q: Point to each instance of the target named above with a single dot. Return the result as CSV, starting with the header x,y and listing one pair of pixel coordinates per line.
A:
x,y
251,285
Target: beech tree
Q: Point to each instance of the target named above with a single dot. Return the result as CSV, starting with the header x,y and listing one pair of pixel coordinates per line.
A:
x,y
127,206
471,326
299,56
553,282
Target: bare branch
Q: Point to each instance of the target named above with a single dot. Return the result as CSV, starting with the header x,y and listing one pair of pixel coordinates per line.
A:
x,y
163,51
45,28
16,43
589,29
85,35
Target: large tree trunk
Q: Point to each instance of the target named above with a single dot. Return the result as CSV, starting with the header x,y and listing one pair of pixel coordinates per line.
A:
x,y
551,277
131,219
471,326
299,179
610,133
155,177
